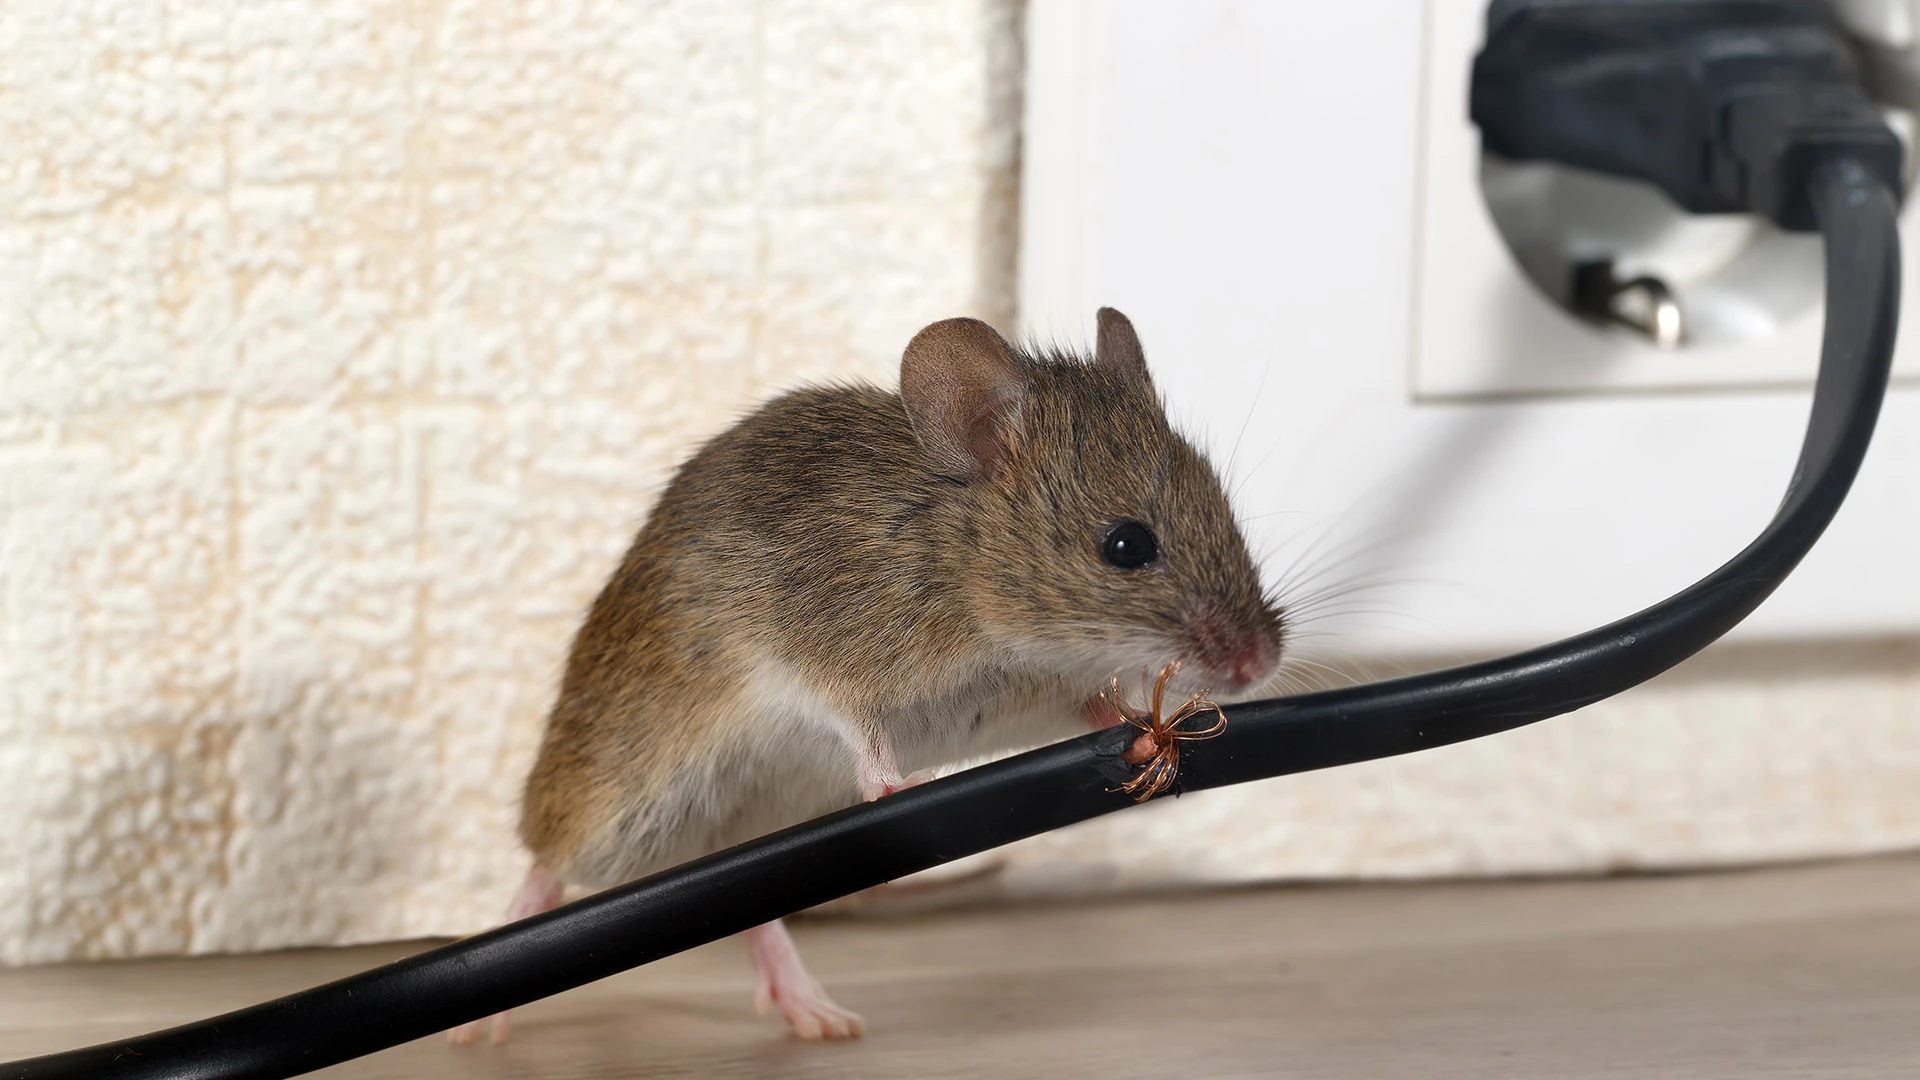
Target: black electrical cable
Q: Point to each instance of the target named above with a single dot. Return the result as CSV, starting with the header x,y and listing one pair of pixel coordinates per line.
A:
x,y
1058,785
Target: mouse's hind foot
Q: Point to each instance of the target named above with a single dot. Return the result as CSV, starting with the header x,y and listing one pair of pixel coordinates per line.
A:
x,y
469,1033
541,892
786,984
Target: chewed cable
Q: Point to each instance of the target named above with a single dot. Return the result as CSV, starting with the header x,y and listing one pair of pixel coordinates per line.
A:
x,y
995,804
1758,108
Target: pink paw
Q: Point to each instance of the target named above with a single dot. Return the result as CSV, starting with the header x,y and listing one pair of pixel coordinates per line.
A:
x,y
809,1011
467,1033
912,779
882,788
1099,714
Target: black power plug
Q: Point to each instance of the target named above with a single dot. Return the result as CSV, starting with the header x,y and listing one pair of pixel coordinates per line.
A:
x,y
1728,106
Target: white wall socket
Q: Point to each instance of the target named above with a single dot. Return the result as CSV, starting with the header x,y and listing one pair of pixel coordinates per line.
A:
x,y
1483,330
1285,198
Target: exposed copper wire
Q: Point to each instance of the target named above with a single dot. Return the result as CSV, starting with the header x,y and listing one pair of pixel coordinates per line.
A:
x,y
1157,748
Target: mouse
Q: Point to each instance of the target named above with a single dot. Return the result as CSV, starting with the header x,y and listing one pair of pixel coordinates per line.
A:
x,y
853,585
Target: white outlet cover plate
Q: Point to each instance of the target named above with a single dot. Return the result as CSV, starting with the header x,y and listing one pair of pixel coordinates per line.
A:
x,y
1483,330
1247,181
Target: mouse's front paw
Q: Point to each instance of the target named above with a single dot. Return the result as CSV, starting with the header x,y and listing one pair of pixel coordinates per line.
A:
x,y
883,786
1099,714
912,779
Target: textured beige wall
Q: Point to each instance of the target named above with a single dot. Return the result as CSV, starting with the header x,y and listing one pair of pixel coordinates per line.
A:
x,y
343,345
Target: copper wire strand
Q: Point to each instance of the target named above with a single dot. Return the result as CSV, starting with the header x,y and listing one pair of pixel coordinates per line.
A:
x,y
1164,733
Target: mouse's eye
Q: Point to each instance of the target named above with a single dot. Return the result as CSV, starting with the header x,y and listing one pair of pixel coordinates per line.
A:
x,y
1129,546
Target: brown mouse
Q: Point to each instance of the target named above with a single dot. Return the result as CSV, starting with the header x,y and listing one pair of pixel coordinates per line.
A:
x,y
850,585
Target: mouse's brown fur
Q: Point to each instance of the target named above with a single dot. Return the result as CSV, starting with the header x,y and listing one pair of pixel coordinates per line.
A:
x,y
820,542
850,583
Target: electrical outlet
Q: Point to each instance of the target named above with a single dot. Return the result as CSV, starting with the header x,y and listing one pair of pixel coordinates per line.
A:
x,y
1748,293
1287,200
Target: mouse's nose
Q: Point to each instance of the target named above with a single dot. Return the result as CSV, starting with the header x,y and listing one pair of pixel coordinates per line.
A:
x,y
1250,664
1229,658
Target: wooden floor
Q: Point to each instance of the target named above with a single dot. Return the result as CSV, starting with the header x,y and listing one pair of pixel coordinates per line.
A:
x,y
1799,972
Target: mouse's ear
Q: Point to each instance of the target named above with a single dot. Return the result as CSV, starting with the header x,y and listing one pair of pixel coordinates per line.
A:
x,y
1118,347
964,392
